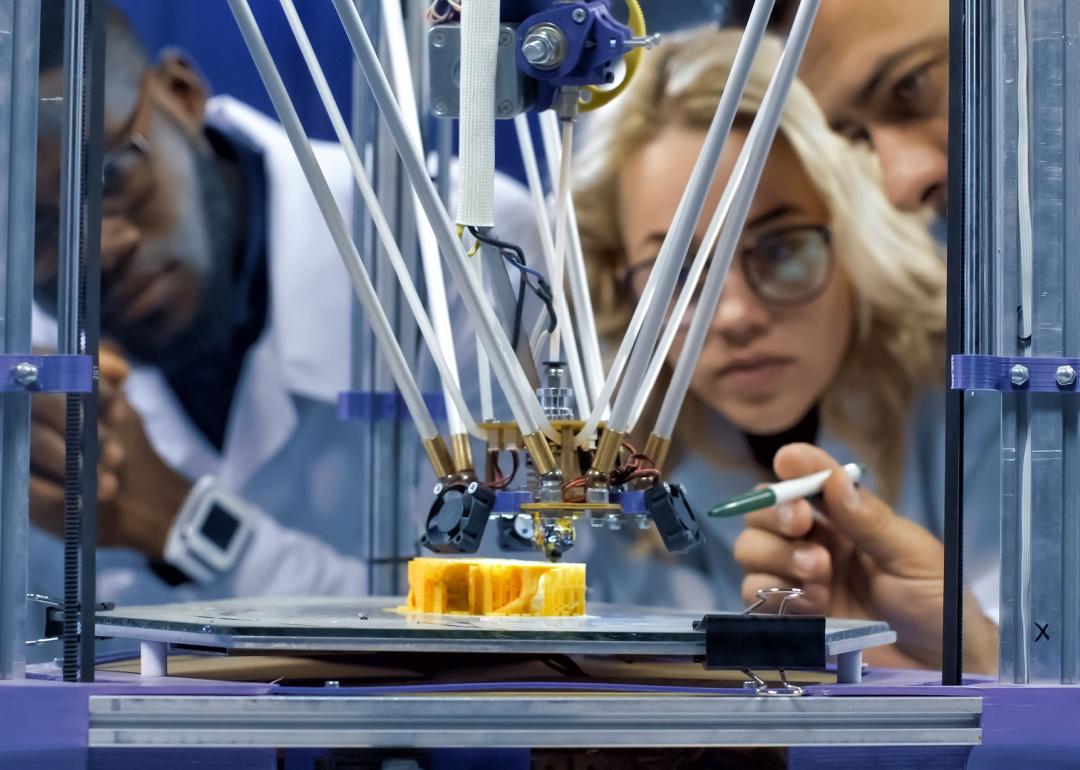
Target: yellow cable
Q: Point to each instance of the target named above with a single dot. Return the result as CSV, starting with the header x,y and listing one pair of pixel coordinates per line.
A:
x,y
598,97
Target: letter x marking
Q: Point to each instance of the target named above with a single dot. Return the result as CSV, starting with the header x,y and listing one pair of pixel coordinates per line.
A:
x,y
1043,632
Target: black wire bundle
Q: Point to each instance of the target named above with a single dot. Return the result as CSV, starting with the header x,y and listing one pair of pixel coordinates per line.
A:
x,y
513,254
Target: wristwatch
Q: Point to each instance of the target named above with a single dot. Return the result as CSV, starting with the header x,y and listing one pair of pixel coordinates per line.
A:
x,y
210,532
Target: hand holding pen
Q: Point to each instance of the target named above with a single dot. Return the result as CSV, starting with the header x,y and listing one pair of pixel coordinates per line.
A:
x,y
857,560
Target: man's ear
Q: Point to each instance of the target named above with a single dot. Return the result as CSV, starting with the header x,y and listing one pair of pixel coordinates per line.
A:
x,y
183,86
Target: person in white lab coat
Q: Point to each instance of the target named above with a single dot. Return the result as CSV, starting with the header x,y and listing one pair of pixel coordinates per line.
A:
x,y
222,286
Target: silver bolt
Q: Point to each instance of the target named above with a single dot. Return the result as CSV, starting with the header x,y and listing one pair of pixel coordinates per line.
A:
x,y
505,38
472,487
614,521
537,50
25,374
506,107
333,683
439,108
643,523
437,490
544,46
438,39
1018,375
1065,376
648,42
578,15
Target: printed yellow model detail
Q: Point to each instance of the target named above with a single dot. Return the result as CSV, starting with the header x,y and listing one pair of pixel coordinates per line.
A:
x,y
495,587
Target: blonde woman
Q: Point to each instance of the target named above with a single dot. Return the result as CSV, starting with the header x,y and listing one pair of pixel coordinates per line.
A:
x,y
829,333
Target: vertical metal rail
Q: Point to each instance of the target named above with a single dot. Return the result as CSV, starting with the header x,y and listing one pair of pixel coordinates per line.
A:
x,y
67,304
90,302
387,430
19,35
410,474
364,354
79,286
1070,541
1045,506
1002,242
391,449
1040,440
961,37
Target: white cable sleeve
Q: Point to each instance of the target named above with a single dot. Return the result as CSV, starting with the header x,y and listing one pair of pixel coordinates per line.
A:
x,y
476,127
538,336
584,320
758,145
562,310
455,401
640,340
523,402
682,304
335,222
402,80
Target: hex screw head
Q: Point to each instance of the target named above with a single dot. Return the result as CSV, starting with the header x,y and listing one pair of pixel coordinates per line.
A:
x,y
1018,375
1065,376
578,15
438,39
25,374
538,50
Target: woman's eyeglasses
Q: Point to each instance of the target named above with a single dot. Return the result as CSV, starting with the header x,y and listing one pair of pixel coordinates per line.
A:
x,y
786,267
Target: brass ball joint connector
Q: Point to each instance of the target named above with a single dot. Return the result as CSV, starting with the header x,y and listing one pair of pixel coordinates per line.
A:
x,y
598,477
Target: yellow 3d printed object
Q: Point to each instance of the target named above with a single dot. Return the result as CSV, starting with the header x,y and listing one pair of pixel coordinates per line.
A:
x,y
495,587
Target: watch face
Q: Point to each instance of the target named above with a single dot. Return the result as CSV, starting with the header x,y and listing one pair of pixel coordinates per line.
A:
x,y
219,527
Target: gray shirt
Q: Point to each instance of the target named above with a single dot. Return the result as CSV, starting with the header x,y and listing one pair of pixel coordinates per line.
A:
x,y
622,567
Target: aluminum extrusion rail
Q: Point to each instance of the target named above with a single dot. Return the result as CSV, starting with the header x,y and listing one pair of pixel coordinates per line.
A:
x,y
461,721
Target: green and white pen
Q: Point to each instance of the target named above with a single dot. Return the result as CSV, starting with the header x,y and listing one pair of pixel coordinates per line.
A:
x,y
780,492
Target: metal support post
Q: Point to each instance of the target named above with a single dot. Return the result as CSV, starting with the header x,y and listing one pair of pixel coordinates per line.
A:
x,y
849,667
364,353
153,659
19,35
391,449
952,653
77,314
1021,188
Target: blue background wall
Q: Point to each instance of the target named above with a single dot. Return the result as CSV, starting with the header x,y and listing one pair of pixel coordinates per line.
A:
x,y
207,31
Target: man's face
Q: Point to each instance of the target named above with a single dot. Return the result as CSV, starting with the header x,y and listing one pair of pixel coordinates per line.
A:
x,y
158,251
880,71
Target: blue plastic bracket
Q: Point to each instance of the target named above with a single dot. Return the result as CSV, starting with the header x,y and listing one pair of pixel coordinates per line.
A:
x,y
371,406
1013,374
24,373
633,503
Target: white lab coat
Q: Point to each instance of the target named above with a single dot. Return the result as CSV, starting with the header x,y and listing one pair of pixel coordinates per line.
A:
x,y
285,450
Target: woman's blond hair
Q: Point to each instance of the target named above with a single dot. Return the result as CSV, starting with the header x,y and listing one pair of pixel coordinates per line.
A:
x,y
897,276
